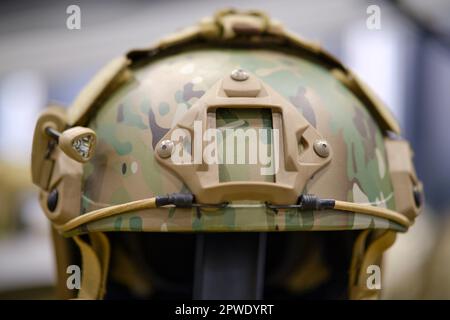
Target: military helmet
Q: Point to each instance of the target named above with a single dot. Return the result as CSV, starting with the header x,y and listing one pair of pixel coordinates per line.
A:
x,y
234,125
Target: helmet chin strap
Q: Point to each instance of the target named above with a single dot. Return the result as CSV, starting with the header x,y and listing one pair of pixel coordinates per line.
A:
x,y
229,266
367,251
95,257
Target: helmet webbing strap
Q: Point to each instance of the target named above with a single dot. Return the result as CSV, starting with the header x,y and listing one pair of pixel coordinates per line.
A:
x,y
367,252
95,264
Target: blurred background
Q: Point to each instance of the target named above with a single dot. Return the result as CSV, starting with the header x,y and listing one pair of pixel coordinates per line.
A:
x,y
406,61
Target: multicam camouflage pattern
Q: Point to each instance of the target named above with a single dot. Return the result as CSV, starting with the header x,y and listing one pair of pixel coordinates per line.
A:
x,y
136,117
245,119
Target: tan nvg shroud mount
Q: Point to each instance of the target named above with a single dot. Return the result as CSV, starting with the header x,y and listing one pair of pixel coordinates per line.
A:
x,y
295,168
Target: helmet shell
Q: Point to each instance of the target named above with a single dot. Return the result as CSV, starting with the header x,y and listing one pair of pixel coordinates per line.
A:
x,y
133,120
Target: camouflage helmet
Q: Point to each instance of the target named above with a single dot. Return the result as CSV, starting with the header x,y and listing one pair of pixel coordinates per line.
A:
x,y
232,125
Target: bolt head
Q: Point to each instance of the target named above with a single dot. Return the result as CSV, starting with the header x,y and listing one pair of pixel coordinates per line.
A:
x,y
239,75
52,200
165,148
418,197
322,148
